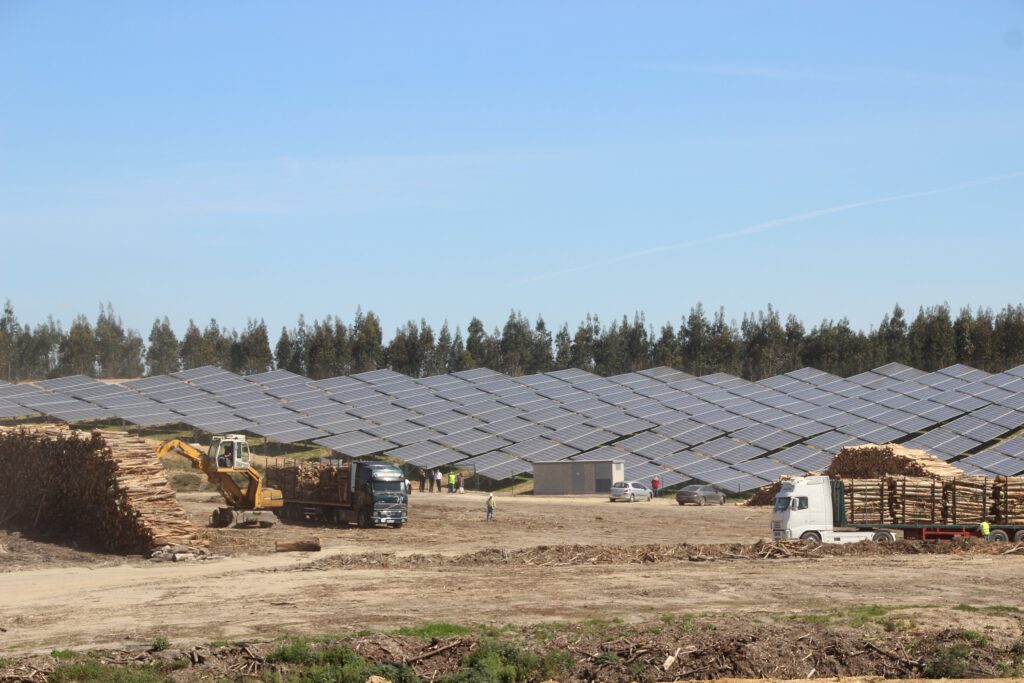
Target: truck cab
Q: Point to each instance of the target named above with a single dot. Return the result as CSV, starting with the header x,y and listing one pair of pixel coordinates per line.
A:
x,y
380,494
810,509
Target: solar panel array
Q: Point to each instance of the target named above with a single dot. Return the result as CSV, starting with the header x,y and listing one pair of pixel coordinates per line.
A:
x,y
716,428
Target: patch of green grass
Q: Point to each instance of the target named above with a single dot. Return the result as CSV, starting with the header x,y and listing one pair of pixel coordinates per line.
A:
x,y
853,616
600,628
893,624
858,616
161,643
611,658
993,610
435,630
94,672
63,654
948,662
296,651
974,637
497,661
221,643
684,621
812,618
336,665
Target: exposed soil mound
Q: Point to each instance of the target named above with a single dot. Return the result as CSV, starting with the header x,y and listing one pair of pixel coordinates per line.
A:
x,y
102,489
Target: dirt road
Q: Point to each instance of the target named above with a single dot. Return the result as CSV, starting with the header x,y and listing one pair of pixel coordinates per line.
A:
x,y
255,594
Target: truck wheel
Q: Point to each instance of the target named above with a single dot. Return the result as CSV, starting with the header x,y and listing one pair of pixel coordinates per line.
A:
x,y
1019,537
812,536
398,525
882,537
999,536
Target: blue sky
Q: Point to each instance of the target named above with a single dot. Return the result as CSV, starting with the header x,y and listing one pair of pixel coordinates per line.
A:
x,y
445,160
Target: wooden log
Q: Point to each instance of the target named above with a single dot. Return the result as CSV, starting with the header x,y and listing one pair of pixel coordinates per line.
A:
x,y
311,545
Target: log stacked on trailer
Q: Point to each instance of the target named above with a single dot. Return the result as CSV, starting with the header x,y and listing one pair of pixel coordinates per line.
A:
x,y
309,481
870,461
865,501
931,500
104,489
1008,493
915,500
969,500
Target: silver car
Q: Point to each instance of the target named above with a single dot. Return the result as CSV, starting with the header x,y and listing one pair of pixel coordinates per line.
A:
x,y
631,491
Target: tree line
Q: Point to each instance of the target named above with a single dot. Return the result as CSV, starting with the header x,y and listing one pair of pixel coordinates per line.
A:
x,y
760,345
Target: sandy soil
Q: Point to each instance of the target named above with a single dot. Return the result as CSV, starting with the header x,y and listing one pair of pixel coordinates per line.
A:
x,y
254,593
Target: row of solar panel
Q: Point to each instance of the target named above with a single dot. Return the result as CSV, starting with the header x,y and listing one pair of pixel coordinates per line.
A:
x,y
388,412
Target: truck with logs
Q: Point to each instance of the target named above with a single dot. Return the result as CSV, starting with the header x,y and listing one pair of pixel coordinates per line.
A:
x,y
354,492
822,509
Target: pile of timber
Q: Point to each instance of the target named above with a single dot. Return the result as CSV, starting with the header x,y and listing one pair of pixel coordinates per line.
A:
x,y
1008,493
870,461
104,489
931,500
309,481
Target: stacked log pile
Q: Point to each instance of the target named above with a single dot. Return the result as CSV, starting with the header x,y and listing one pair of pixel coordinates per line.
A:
x,y
916,500
931,500
870,461
866,501
104,489
309,481
1008,493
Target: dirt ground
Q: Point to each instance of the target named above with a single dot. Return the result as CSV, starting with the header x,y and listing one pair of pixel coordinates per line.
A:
x,y
55,597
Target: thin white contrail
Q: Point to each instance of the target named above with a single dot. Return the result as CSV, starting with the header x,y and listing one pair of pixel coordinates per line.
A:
x,y
775,223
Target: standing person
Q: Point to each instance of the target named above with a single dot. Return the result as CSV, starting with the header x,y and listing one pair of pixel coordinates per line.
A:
x,y
491,504
984,529
451,482
423,480
437,479
430,476
656,485
459,481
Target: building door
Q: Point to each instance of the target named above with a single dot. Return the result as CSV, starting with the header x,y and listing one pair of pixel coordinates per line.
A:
x,y
579,478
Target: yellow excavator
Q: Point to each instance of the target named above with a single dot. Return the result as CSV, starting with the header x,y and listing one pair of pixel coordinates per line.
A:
x,y
250,503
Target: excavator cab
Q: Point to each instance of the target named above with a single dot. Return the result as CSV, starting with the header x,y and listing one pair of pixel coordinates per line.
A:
x,y
229,452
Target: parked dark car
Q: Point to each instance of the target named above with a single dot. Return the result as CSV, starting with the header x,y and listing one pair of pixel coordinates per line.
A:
x,y
700,494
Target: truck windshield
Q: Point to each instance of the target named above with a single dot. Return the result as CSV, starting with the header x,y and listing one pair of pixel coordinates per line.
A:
x,y
388,486
782,503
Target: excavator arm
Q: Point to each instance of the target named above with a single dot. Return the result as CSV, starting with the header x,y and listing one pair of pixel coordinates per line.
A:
x,y
252,497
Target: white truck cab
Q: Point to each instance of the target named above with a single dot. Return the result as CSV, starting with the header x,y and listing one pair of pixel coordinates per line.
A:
x,y
805,508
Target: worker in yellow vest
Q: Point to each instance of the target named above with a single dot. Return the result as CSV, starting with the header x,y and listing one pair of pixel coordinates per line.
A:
x,y
451,482
984,529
